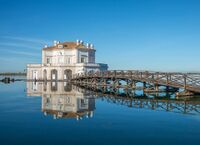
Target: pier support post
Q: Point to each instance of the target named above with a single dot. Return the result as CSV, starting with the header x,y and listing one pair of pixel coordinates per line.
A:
x,y
144,87
156,87
132,84
115,83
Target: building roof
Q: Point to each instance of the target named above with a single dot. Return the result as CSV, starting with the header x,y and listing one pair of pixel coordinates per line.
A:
x,y
65,114
67,45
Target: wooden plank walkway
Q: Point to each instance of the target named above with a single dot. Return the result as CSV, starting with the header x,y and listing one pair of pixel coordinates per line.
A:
x,y
188,81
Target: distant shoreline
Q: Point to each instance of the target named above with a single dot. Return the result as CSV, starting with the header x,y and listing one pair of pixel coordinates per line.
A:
x,y
12,74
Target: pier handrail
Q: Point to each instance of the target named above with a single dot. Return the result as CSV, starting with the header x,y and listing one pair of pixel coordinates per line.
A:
x,y
188,81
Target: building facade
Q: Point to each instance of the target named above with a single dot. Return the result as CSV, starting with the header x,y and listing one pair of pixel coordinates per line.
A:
x,y
62,60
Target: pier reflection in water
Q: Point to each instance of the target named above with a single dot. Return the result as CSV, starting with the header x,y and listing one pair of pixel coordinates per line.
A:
x,y
64,100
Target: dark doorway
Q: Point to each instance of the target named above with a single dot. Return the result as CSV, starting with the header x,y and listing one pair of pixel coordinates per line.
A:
x,y
67,74
54,75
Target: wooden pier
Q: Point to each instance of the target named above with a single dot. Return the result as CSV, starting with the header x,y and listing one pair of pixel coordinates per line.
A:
x,y
189,83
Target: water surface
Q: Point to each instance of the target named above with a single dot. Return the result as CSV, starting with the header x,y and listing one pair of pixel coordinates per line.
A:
x,y
61,114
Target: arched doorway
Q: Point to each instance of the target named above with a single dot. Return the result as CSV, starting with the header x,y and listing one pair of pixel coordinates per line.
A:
x,y
54,86
54,74
67,87
35,75
67,74
45,86
45,74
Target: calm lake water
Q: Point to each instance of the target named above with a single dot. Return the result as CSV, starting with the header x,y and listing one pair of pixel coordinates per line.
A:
x,y
38,113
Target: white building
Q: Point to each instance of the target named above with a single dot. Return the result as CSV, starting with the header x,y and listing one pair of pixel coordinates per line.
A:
x,y
62,60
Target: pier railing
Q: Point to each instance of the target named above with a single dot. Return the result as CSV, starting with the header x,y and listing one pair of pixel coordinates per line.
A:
x,y
187,81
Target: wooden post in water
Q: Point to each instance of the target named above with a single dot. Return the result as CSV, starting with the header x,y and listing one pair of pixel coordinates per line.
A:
x,y
144,87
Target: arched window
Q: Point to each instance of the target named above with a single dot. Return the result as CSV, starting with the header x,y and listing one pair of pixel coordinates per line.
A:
x,y
54,74
67,74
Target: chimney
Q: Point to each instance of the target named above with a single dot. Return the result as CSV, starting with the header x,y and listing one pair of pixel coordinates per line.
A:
x,y
77,42
91,46
54,42
45,46
87,45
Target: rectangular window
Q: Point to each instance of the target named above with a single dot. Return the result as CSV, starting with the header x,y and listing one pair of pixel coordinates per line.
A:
x,y
83,103
48,60
68,60
60,46
83,58
60,60
68,100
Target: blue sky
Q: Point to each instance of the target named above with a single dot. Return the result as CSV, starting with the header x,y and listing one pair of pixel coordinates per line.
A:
x,y
160,35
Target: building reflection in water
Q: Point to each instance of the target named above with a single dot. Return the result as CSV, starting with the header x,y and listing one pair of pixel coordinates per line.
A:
x,y
62,100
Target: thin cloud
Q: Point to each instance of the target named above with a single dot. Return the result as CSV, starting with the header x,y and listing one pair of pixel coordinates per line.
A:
x,y
18,60
18,45
22,50
26,39
22,42
23,53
